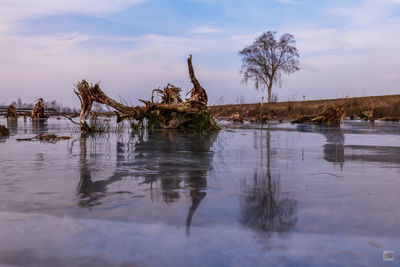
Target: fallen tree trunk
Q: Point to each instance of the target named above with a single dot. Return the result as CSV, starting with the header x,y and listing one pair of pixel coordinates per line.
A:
x,y
330,116
170,113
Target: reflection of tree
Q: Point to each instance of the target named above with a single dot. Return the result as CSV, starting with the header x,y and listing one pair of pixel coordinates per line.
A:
x,y
90,192
334,146
262,207
39,125
171,160
12,125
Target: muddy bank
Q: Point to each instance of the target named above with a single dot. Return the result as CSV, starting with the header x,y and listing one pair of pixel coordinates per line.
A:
x,y
380,106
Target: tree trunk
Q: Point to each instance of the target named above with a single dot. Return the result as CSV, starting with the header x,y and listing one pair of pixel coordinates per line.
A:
x,y
269,92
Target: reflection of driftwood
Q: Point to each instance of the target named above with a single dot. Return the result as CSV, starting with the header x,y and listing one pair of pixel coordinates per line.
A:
x,y
171,113
4,131
11,112
38,109
51,138
330,116
238,117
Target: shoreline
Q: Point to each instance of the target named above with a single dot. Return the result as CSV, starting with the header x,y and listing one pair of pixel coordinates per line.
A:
x,y
380,106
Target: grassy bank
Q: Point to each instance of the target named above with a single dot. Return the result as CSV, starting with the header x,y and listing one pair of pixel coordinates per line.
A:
x,y
382,106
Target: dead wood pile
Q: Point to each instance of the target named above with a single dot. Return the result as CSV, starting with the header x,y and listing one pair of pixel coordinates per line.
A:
x,y
4,131
330,116
170,113
11,112
39,109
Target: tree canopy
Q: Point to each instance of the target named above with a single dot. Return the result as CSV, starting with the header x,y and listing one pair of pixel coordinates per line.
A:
x,y
267,59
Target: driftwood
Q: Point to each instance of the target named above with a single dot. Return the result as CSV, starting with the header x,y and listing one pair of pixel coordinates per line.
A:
x,y
330,116
237,117
11,112
39,109
367,115
261,119
51,138
170,113
4,131
390,119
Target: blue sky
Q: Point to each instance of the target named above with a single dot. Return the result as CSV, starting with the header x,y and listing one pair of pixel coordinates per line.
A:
x,y
347,48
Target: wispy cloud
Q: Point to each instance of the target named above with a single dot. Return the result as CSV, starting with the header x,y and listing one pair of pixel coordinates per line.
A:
x,y
290,2
205,30
16,10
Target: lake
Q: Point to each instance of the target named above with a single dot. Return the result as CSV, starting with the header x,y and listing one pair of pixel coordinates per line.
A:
x,y
249,195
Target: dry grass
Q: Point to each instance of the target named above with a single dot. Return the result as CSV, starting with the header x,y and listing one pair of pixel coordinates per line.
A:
x,y
382,106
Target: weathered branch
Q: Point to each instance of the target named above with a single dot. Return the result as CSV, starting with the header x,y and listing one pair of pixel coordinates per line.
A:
x,y
198,94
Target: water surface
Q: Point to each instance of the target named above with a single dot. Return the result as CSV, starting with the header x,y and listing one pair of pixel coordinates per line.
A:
x,y
250,195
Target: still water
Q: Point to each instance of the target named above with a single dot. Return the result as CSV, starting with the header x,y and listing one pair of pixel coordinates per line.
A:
x,y
250,195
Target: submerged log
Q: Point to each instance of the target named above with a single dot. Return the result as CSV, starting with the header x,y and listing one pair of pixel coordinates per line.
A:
x,y
50,138
170,113
330,116
4,131
39,109
11,112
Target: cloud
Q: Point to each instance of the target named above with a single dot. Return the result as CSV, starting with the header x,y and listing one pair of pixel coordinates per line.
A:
x,y
17,10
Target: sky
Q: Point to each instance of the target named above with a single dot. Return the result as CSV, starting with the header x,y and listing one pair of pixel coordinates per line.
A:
x,y
347,48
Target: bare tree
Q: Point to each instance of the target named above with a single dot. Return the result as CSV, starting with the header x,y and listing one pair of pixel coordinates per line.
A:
x,y
267,59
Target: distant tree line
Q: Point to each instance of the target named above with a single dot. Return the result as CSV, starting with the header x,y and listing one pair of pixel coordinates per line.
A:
x,y
53,105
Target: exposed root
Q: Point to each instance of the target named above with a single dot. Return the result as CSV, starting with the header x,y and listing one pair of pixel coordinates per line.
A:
x,y
330,116
170,95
